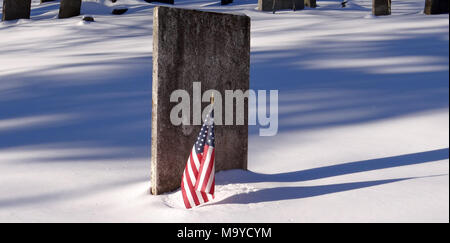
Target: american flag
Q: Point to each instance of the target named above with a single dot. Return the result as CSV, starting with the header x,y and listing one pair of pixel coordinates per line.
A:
x,y
197,184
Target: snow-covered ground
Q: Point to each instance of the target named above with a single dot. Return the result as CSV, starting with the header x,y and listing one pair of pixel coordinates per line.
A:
x,y
364,106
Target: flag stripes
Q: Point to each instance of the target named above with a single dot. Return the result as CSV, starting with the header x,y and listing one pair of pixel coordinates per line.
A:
x,y
198,181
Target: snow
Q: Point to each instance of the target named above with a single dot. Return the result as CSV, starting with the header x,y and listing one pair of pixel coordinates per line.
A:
x,y
363,117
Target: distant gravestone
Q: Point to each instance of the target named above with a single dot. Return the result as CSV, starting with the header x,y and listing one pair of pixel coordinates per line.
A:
x,y
270,5
119,11
225,2
381,7
310,3
194,46
69,8
16,9
436,7
162,1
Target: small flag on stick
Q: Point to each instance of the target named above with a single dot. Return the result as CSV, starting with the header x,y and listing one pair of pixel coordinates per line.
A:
x,y
198,182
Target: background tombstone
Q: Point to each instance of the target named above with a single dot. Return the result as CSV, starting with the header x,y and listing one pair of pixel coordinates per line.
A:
x,y
162,1
225,2
436,7
16,9
69,8
381,7
194,46
268,5
310,3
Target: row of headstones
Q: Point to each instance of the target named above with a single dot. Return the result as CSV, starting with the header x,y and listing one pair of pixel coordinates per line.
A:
x,y
383,7
20,9
222,2
379,7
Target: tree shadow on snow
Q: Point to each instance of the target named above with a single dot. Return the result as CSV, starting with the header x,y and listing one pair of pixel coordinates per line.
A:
x,y
68,194
284,193
297,192
353,82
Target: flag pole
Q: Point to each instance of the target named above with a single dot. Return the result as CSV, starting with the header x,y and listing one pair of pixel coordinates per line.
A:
x,y
212,98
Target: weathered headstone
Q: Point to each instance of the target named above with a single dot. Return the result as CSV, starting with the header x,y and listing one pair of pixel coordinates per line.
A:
x,y
268,5
381,7
225,2
194,46
161,1
16,9
119,11
310,3
436,7
69,8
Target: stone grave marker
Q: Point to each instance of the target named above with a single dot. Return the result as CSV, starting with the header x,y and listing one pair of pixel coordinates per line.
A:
x,y
162,1
310,3
225,2
268,5
381,7
16,9
194,46
436,7
69,8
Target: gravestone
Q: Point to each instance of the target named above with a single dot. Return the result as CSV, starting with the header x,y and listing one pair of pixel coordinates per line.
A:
x,y
436,7
69,8
161,1
194,46
225,2
119,11
16,9
310,3
381,7
268,5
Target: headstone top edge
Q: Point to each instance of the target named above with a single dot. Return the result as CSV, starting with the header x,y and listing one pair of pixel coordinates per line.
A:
x,y
202,11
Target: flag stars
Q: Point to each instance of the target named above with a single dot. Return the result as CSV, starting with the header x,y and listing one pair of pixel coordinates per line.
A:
x,y
205,136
